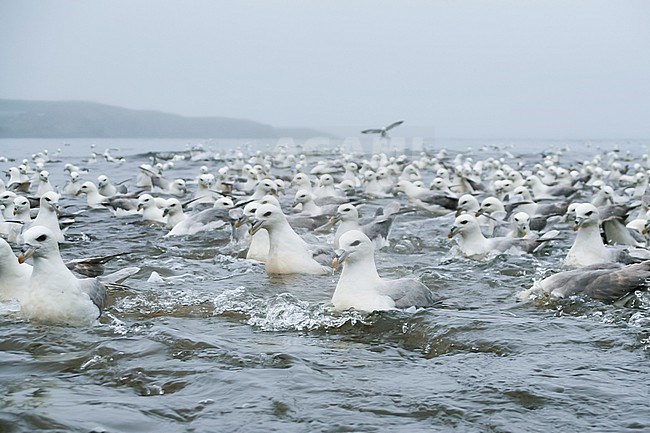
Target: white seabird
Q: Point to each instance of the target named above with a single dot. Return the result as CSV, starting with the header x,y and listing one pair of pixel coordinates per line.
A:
x,y
361,287
382,131
474,245
54,294
377,229
288,252
608,282
588,247
47,215
13,275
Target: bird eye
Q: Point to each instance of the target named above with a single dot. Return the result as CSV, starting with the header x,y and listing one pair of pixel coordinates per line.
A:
x,y
589,213
464,222
48,199
268,214
41,238
464,202
346,210
355,243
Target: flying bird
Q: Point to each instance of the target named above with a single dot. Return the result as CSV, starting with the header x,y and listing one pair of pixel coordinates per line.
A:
x,y
383,131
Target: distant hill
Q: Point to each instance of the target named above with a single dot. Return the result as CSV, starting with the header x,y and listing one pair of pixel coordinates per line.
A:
x,y
78,119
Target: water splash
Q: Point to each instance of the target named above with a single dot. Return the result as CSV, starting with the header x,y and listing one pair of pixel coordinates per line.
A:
x,y
282,312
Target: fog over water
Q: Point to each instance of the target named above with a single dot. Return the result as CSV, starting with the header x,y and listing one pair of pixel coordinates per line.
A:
x,y
535,69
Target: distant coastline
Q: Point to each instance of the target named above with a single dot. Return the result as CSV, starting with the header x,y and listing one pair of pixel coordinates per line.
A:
x,y
81,119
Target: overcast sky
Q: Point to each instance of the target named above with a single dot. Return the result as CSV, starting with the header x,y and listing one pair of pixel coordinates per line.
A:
x,y
507,68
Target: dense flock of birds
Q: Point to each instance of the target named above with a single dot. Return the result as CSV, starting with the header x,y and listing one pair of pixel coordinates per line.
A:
x,y
273,202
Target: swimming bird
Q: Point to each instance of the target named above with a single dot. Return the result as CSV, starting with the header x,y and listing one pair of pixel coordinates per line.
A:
x,y
383,131
44,184
205,220
48,215
53,293
204,193
93,198
16,182
288,252
7,204
308,207
426,199
107,189
259,243
72,184
474,245
360,286
22,210
608,282
150,210
588,247
13,275
541,190
376,229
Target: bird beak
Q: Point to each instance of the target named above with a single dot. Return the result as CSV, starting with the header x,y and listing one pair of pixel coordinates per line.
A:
x,y
255,227
458,212
241,221
165,212
139,207
336,218
577,223
480,212
452,232
56,208
339,258
27,252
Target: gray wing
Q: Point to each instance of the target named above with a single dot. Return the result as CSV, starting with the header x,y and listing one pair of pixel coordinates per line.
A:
x,y
209,215
431,197
565,191
371,131
128,204
502,244
617,234
119,276
160,182
381,224
19,187
558,208
572,282
92,266
394,124
95,290
611,286
331,201
408,292
310,223
323,254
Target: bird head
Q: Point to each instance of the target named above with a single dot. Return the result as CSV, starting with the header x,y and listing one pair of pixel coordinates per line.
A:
x,y
50,200
354,245
462,224
266,216
37,241
586,214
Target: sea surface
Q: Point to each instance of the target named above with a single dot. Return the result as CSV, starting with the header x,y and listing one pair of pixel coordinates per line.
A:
x,y
213,344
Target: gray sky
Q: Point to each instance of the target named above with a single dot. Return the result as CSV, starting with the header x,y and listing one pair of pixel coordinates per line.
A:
x,y
475,69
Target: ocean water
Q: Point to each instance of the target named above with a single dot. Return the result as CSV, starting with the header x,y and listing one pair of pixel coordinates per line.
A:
x,y
216,345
